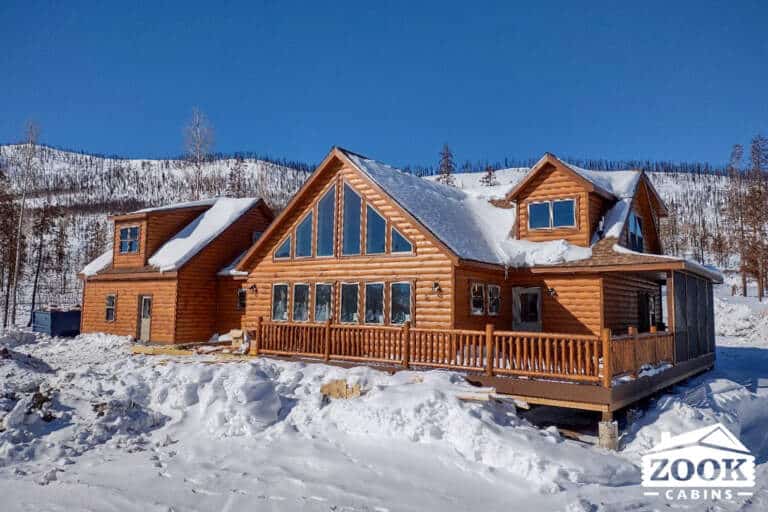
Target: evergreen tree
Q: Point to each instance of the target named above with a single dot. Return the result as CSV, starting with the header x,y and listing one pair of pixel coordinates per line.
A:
x,y
236,185
447,167
489,178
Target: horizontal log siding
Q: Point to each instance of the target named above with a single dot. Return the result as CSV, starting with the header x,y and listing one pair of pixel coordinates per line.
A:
x,y
597,208
163,292
430,262
163,225
197,310
621,303
228,317
575,309
131,260
463,319
554,183
641,205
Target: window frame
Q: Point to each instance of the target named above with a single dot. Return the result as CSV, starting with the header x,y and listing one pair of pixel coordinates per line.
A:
x,y
244,293
392,229
383,302
316,208
410,302
341,302
360,219
129,240
635,220
472,296
293,302
113,307
295,244
386,227
314,302
551,207
488,298
288,305
279,246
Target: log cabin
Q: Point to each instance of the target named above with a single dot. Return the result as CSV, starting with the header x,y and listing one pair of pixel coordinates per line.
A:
x,y
563,279
169,277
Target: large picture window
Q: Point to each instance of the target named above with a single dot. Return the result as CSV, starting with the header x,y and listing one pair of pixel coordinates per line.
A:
x,y
349,300
375,232
129,240
374,303
494,299
400,303
323,295
300,302
284,251
280,302
351,224
400,243
636,242
477,306
109,309
304,237
560,213
326,212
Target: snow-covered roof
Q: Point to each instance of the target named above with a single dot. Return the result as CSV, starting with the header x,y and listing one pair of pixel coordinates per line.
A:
x,y
618,184
178,206
470,226
231,269
98,264
200,232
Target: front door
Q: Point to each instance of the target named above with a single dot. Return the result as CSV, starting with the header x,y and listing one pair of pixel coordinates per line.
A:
x,y
526,314
145,317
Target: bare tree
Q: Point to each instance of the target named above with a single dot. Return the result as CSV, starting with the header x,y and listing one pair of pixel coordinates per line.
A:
x,y
198,139
27,169
489,178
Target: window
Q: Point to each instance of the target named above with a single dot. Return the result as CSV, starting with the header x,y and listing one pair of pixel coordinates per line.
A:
x,y
351,227
129,240
552,214
326,212
400,243
636,241
564,213
400,303
241,299
529,307
375,232
374,303
300,302
109,309
494,299
538,215
304,237
284,251
478,299
256,235
323,294
349,298
280,302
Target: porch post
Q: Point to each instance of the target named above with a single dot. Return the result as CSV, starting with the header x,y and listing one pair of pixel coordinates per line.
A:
x,y
671,313
327,339
256,342
489,350
607,370
407,344
632,331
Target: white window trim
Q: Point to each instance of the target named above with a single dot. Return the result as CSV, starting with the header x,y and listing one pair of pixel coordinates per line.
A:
x,y
287,300
488,298
360,220
113,308
410,301
314,302
120,239
290,249
386,228
383,302
309,302
393,228
316,234
551,205
341,291
485,295
295,244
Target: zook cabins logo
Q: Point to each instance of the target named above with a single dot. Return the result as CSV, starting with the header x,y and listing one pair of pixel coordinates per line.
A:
x,y
705,464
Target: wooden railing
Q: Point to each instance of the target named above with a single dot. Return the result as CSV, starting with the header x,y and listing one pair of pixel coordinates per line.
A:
x,y
570,357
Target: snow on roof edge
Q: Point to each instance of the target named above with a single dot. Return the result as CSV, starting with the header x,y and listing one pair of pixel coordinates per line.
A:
x,y
98,264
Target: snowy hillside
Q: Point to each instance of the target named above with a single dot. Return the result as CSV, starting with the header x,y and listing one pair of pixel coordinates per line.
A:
x,y
83,425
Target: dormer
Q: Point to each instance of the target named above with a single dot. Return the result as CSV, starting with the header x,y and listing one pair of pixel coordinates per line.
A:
x,y
557,200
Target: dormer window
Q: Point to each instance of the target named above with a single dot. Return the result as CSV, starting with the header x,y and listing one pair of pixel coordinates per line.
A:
x,y
636,242
129,240
559,213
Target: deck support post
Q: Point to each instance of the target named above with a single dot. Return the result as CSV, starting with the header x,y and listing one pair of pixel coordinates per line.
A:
x,y
256,342
489,350
327,340
608,433
632,331
605,336
406,336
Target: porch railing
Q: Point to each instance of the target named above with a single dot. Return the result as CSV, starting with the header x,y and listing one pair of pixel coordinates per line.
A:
x,y
570,357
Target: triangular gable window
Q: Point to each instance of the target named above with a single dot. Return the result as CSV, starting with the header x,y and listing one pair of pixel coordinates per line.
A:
x,y
284,251
400,243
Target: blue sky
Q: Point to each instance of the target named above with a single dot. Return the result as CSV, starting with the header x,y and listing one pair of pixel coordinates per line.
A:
x,y
393,80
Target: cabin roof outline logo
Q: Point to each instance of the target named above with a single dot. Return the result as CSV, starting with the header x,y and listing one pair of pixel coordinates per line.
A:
x,y
709,457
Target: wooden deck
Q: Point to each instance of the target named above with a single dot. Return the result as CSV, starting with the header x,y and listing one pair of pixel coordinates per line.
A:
x,y
564,370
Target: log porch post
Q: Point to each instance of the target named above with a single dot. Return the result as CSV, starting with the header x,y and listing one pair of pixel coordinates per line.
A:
x,y
406,336
489,349
256,337
327,340
632,331
607,371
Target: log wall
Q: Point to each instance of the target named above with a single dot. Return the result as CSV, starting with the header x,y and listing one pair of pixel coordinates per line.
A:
x,y
621,299
228,316
129,260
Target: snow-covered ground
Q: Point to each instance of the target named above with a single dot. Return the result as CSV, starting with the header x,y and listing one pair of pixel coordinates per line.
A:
x,y
85,426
